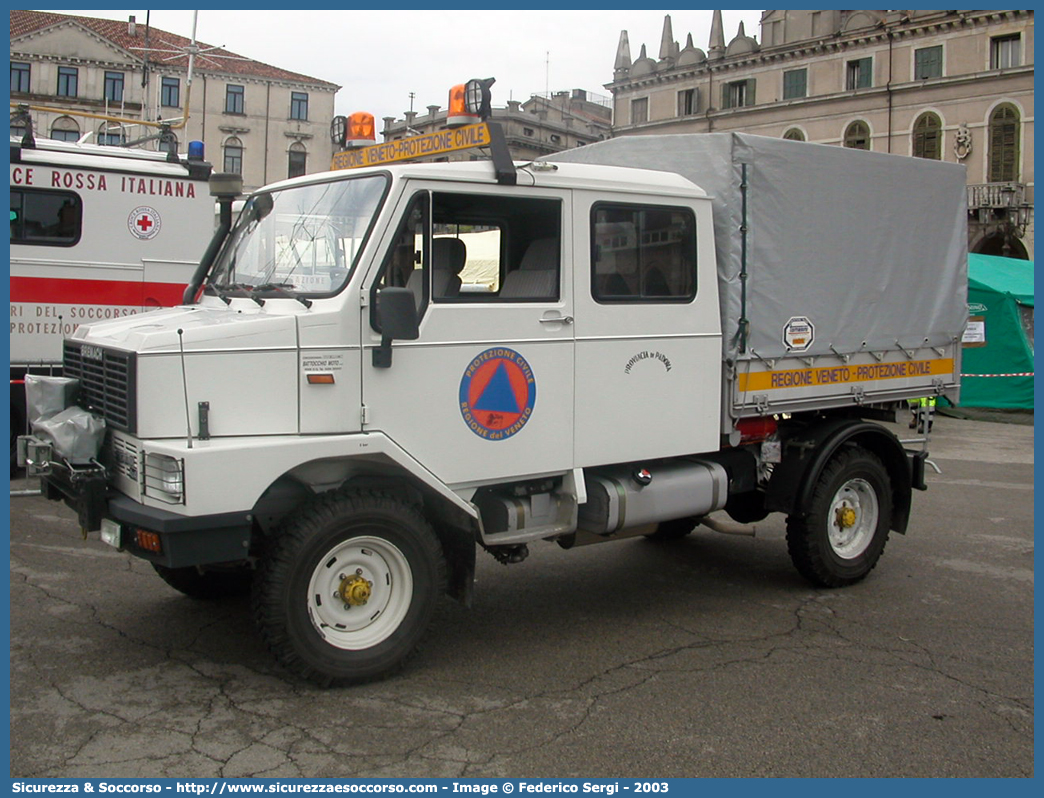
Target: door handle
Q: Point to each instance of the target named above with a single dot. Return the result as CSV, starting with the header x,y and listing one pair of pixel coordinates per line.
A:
x,y
557,320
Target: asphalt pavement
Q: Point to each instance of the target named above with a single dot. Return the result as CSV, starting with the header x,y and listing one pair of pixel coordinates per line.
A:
x,y
709,656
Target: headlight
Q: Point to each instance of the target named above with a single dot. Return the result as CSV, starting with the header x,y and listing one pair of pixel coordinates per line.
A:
x,y
165,478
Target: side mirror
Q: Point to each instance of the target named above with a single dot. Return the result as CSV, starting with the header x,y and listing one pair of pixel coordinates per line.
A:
x,y
397,311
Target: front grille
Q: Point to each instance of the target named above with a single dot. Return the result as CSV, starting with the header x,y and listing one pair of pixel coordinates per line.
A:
x,y
123,457
107,382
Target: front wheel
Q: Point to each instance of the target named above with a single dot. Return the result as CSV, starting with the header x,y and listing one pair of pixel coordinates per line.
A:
x,y
840,539
347,590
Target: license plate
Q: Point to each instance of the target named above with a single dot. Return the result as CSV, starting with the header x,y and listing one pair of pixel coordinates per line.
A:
x,y
110,532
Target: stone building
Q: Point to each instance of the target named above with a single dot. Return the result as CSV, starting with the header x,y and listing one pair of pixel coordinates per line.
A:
x,y
951,85
541,125
261,121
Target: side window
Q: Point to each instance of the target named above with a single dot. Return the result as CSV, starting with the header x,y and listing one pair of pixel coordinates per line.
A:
x,y
406,262
642,254
42,216
494,248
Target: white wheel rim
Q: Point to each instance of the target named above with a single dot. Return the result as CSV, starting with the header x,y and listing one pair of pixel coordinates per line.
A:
x,y
361,560
852,518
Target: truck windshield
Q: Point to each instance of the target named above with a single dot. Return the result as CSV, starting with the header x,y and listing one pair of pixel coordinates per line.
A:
x,y
298,241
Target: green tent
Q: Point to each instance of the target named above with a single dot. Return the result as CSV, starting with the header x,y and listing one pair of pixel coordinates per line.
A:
x,y
997,367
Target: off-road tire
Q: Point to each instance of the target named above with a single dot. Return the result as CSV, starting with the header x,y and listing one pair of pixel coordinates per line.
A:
x,y
317,553
828,551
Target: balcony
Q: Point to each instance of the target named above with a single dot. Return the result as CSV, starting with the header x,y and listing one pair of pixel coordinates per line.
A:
x,y
996,196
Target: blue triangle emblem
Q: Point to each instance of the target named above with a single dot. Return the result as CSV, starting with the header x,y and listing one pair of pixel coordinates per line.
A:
x,y
498,396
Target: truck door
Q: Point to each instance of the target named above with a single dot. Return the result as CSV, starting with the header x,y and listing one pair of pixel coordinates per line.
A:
x,y
486,392
648,339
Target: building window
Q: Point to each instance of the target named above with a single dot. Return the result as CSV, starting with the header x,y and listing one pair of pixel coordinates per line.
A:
x,y
527,131
234,100
639,111
299,105
927,137
68,80
170,93
642,253
1004,145
555,138
859,74
112,135
65,129
857,136
1006,51
738,93
42,216
19,77
234,156
795,84
297,160
114,87
688,102
928,62
794,134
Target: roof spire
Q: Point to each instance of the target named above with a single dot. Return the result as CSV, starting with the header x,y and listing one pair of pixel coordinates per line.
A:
x,y
717,37
623,53
667,39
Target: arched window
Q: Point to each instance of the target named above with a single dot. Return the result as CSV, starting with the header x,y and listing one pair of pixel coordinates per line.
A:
x,y
1004,144
927,137
65,129
857,136
234,156
297,160
794,134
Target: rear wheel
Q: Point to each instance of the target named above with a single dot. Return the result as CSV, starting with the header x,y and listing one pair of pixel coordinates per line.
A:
x,y
840,539
346,591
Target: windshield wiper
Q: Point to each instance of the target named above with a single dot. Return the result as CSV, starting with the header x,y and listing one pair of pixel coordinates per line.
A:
x,y
210,288
280,289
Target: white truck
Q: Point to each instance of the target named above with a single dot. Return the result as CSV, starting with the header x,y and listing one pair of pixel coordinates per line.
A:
x,y
336,426
96,233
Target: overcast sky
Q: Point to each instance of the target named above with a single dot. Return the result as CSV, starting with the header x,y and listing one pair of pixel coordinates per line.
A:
x,y
379,57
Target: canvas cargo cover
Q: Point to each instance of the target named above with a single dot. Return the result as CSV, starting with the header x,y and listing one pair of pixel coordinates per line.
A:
x,y
870,248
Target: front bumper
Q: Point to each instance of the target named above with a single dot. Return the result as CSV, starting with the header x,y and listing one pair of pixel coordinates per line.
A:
x,y
151,533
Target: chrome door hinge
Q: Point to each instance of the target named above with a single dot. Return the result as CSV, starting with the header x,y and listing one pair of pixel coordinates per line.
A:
x,y
364,415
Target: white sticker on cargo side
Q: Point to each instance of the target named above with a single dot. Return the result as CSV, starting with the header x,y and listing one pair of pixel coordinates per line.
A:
x,y
798,333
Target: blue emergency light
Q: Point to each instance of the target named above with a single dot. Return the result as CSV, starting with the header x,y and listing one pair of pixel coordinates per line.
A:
x,y
195,150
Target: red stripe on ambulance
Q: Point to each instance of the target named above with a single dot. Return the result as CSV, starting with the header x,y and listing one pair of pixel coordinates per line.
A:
x,y
48,290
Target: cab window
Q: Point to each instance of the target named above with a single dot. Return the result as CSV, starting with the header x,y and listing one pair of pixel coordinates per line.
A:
x,y
642,254
491,248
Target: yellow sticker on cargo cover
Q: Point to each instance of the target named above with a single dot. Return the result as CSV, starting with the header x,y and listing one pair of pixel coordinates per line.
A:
x,y
819,376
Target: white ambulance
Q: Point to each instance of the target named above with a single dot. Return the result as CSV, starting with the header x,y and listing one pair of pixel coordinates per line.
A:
x,y
96,233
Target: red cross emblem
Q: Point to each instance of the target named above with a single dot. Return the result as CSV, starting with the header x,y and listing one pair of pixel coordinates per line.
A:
x,y
144,222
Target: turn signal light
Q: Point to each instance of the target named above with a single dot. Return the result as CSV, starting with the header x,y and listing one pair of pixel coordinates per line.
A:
x,y
149,541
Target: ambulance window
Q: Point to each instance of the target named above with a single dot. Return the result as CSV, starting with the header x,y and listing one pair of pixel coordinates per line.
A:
x,y
494,248
642,254
45,217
